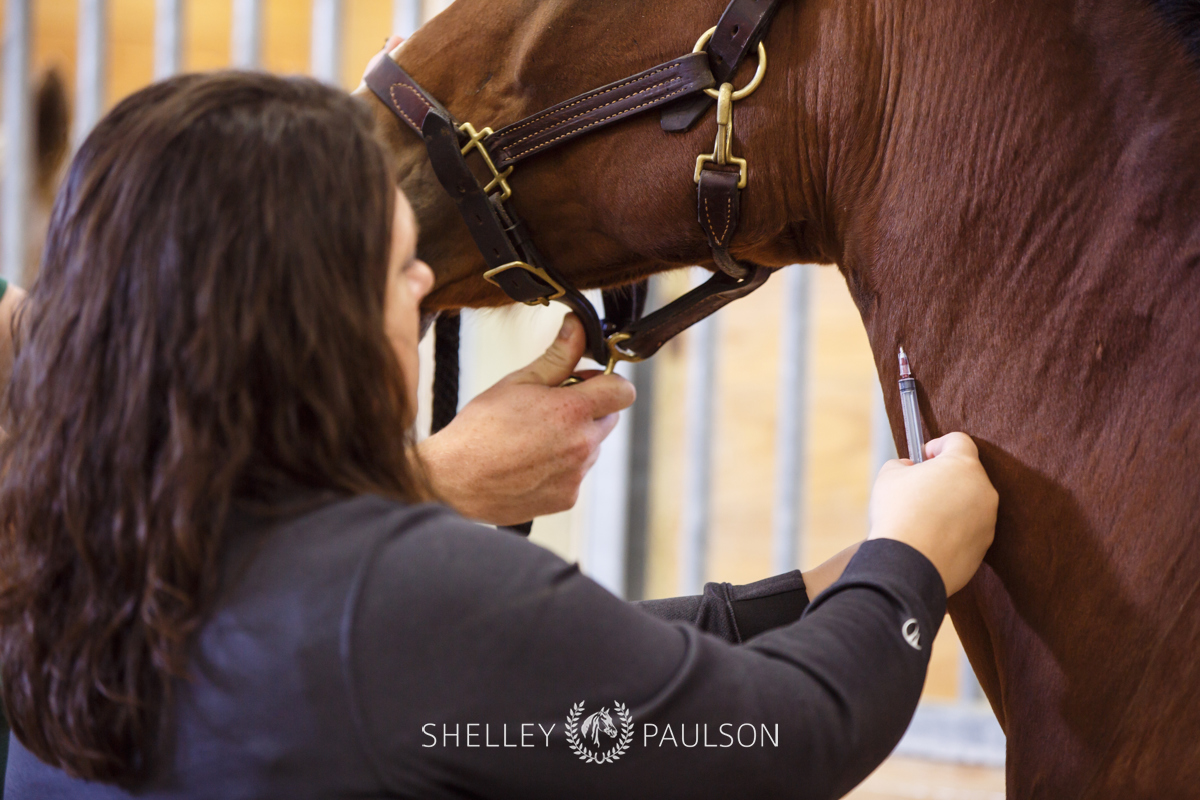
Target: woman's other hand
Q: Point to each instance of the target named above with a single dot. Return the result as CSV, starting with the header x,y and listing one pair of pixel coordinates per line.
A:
x,y
390,45
945,507
521,449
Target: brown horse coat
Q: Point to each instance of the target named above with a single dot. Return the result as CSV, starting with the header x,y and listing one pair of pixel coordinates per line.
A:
x,y
1011,190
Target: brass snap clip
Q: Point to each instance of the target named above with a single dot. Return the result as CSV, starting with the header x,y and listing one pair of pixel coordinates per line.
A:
x,y
616,354
723,149
726,96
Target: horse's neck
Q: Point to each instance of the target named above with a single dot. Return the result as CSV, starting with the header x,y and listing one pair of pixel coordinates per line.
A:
x,y
1029,207
1027,230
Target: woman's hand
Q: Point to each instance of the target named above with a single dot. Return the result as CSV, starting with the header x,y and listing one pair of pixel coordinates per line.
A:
x,y
521,449
391,44
945,508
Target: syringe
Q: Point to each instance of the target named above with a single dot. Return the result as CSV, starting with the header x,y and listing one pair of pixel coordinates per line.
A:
x,y
913,430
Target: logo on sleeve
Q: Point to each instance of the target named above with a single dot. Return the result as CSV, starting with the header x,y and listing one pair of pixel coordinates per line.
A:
x,y
911,631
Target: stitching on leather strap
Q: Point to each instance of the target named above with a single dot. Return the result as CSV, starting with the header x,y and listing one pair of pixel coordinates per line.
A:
x,y
589,96
708,216
400,108
592,124
568,120
728,213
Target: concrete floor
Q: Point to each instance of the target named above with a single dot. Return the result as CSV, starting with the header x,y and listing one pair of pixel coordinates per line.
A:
x,y
910,779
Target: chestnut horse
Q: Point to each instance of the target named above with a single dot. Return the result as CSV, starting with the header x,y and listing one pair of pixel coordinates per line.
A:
x,y
1011,191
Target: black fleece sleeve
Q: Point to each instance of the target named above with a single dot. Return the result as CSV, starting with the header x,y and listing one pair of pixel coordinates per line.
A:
x,y
737,613
474,661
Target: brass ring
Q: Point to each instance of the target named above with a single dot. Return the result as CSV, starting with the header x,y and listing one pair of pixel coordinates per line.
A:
x,y
749,88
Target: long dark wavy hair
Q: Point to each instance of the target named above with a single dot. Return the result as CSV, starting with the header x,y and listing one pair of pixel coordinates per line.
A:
x,y
208,326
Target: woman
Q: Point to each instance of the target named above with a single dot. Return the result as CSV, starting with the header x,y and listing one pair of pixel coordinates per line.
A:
x,y
220,574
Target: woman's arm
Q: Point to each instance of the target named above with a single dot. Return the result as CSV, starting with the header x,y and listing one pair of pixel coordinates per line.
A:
x,y
464,630
457,631
737,613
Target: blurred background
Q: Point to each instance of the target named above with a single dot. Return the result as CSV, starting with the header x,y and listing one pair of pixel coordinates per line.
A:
x,y
756,435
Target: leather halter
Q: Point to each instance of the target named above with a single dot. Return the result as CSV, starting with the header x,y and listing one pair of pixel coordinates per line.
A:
x,y
683,89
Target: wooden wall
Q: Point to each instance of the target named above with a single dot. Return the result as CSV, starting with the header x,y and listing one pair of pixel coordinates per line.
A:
x,y
286,25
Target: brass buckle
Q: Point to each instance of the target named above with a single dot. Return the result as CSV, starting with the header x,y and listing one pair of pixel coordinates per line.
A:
x,y
723,149
498,178
616,354
537,272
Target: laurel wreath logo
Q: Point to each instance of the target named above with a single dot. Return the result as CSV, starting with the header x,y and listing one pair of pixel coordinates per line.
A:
x,y
581,748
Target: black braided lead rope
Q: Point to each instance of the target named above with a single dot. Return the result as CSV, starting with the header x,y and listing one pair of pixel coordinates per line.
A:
x,y
447,345
446,340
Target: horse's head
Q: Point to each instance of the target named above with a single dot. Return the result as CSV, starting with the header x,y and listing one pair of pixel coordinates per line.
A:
x,y
597,722
616,205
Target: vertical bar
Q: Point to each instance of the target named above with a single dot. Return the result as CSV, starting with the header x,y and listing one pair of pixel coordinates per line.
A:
x,y
168,38
468,355
637,515
792,422
90,54
246,35
18,31
641,425
604,554
698,449
327,41
969,690
883,446
406,17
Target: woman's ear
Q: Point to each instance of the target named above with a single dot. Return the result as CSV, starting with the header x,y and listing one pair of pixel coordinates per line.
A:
x,y
420,279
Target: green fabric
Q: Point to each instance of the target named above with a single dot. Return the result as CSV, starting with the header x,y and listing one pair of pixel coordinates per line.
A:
x,y
3,287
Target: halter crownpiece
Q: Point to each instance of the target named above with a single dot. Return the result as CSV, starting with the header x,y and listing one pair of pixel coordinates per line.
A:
x,y
682,89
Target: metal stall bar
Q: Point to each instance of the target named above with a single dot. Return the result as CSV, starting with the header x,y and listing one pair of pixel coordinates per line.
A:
x,y
698,455
168,38
637,515
883,446
791,425
608,502
406,17
18,28
246,35
91,51
327,41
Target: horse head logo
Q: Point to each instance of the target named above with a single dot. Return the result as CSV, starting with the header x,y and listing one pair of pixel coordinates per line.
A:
x,y
593,724
912,633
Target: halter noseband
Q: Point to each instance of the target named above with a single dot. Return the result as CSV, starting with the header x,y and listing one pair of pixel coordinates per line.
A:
x,y
683,89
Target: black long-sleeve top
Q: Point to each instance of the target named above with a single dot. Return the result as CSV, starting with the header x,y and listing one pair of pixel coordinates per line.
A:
x,y
369,649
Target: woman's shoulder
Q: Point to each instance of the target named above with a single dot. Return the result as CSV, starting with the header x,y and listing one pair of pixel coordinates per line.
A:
x,y
431,549
412,547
